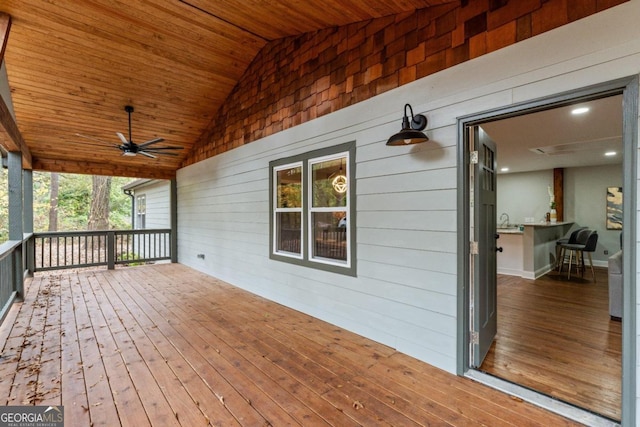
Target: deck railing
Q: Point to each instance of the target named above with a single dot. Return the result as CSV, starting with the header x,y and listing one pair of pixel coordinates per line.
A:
x,y
11,254
76,249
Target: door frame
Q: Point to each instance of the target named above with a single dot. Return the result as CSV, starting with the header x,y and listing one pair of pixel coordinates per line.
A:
x,y
629,88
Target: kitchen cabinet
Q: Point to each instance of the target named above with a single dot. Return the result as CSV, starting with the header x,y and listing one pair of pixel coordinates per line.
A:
x,y
529,251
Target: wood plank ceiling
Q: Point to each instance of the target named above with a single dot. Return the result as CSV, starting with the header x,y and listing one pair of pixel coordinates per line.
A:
x,y
73,66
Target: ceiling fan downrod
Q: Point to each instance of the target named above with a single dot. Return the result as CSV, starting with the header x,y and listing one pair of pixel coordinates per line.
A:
x,y
129,109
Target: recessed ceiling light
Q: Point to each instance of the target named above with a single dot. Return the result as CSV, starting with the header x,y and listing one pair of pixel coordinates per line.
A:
x,y
610,153
504,170
580,110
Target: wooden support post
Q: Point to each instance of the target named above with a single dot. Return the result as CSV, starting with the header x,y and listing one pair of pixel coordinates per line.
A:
x,y
173,201
558,192
27,197
14,161
27,223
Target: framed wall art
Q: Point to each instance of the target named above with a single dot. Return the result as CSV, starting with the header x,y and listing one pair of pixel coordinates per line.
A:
x,y
614,208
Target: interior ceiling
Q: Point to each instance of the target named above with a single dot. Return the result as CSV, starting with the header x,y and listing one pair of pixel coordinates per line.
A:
x,y
74,65
555,138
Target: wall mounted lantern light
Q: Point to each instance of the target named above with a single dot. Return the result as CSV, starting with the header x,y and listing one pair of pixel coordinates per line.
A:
x,y
411,130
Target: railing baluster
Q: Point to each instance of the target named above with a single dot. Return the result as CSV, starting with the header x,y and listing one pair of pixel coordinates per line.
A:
x,y
75,249
42,251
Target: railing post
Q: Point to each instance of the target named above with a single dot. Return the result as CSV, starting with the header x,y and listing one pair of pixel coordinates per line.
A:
x,y
31,254
111,250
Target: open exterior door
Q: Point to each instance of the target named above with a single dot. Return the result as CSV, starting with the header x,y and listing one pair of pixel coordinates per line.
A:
x,y
484,294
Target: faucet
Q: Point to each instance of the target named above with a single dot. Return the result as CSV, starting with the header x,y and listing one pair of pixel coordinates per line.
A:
x,y
504,222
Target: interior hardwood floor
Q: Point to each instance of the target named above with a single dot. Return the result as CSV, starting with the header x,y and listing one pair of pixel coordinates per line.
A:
x,y
555,336
165,345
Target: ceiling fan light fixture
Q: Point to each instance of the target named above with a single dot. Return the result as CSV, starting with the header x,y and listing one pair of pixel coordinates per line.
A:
x,y
579,110
131,149
411,132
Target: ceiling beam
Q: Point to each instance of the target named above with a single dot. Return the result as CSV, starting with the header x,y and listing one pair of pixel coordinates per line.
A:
x,y
5,25
100,168
10,136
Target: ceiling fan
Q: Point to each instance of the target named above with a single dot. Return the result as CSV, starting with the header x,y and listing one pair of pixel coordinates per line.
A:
x,y
129,148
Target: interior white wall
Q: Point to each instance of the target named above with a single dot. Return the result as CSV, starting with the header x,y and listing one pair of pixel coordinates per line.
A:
x,y
585,203
522,195
404,294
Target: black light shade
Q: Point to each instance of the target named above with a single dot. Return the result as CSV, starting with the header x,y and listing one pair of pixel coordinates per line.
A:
x,y
411,131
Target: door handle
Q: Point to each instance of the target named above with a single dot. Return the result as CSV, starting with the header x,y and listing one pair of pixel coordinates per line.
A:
x,y
499,249
497,236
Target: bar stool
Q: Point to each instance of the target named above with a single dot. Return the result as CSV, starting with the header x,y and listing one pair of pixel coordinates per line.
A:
x,y
586,241
570,237
573,246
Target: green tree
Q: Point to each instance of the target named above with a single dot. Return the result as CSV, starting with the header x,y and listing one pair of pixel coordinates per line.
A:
x,y
74,200
54,190
119,205
99,207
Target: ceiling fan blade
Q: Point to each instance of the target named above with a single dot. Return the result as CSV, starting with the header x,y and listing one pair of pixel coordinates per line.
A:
x,y
144,153
164,153
122,138
151,141
166,148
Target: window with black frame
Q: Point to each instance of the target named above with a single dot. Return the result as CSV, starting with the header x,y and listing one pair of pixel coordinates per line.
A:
x,y
312,197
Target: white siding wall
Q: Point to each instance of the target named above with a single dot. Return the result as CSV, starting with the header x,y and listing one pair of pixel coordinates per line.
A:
x,y
405,292
157,199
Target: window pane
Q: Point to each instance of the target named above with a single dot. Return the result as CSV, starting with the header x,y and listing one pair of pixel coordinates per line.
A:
x,y
329,235
289,185
330,183
289,232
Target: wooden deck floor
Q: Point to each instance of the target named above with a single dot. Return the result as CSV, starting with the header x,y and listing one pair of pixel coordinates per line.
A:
x,y
165,345
555,336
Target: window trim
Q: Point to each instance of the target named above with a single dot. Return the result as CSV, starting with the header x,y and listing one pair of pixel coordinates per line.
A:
x,y
306,259
275,209
141,215
311,210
